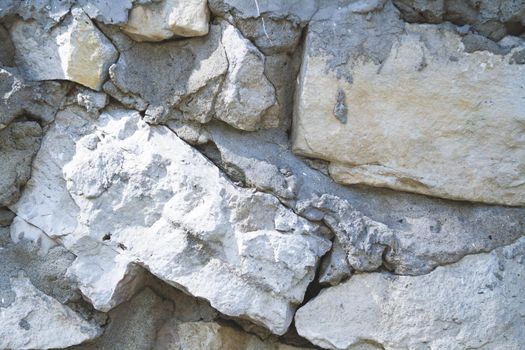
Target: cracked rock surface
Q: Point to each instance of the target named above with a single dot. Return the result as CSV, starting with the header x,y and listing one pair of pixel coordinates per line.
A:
x,y
263,175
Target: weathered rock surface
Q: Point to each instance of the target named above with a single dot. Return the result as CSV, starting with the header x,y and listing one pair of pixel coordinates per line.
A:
x,y
48,13
37,321
163,19
109,12
420,233
19,142
475,303
236,245
75,51
169,211
39,99
460,141
220,75
33,291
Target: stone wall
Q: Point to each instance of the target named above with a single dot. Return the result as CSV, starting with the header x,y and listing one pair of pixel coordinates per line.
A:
x,y
262,174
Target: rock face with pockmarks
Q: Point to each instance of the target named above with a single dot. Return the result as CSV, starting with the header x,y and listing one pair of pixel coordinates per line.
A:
x,y
262,175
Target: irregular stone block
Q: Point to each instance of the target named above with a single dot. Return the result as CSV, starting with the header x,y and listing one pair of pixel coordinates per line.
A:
x,y
76,50
235,245
220,75
411,112
167,18
475,303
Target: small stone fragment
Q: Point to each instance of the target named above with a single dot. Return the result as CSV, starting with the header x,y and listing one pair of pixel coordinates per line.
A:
x,y
167,18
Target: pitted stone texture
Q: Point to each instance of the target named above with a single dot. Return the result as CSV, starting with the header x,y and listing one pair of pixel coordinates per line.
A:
x,y
76,50
459,141
235,245
19,142
475,303
220,75
167,18
37,321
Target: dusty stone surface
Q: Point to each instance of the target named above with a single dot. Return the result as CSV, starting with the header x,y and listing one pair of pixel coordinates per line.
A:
x,y
156,194
75,51
475,303
254,249
163,19
436,148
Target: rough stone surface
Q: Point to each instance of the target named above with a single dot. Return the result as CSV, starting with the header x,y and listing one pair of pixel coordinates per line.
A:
x,y
37,321
220,75
475,303
33,291
47,13
250,248
75,51
109,12
163,19
188,174
421,233
459,141
19,97
19,142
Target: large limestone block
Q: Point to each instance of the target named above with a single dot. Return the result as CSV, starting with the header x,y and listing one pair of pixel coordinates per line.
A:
x,y
76,50
34,320
477,303
152,198
161,20
412,111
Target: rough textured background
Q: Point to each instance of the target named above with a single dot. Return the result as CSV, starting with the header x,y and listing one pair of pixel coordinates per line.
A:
x,y
262,174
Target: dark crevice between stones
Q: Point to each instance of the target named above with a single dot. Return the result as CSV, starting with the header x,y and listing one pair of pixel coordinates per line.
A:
x,y
292,337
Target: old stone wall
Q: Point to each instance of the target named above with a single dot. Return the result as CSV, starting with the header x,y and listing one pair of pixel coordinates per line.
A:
x,y
262,174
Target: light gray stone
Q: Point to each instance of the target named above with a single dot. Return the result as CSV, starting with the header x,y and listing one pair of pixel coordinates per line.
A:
x,y
76,50
475,303
37,321
245,93
220,75
47,13
109,12
422,232
453,145
235,245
